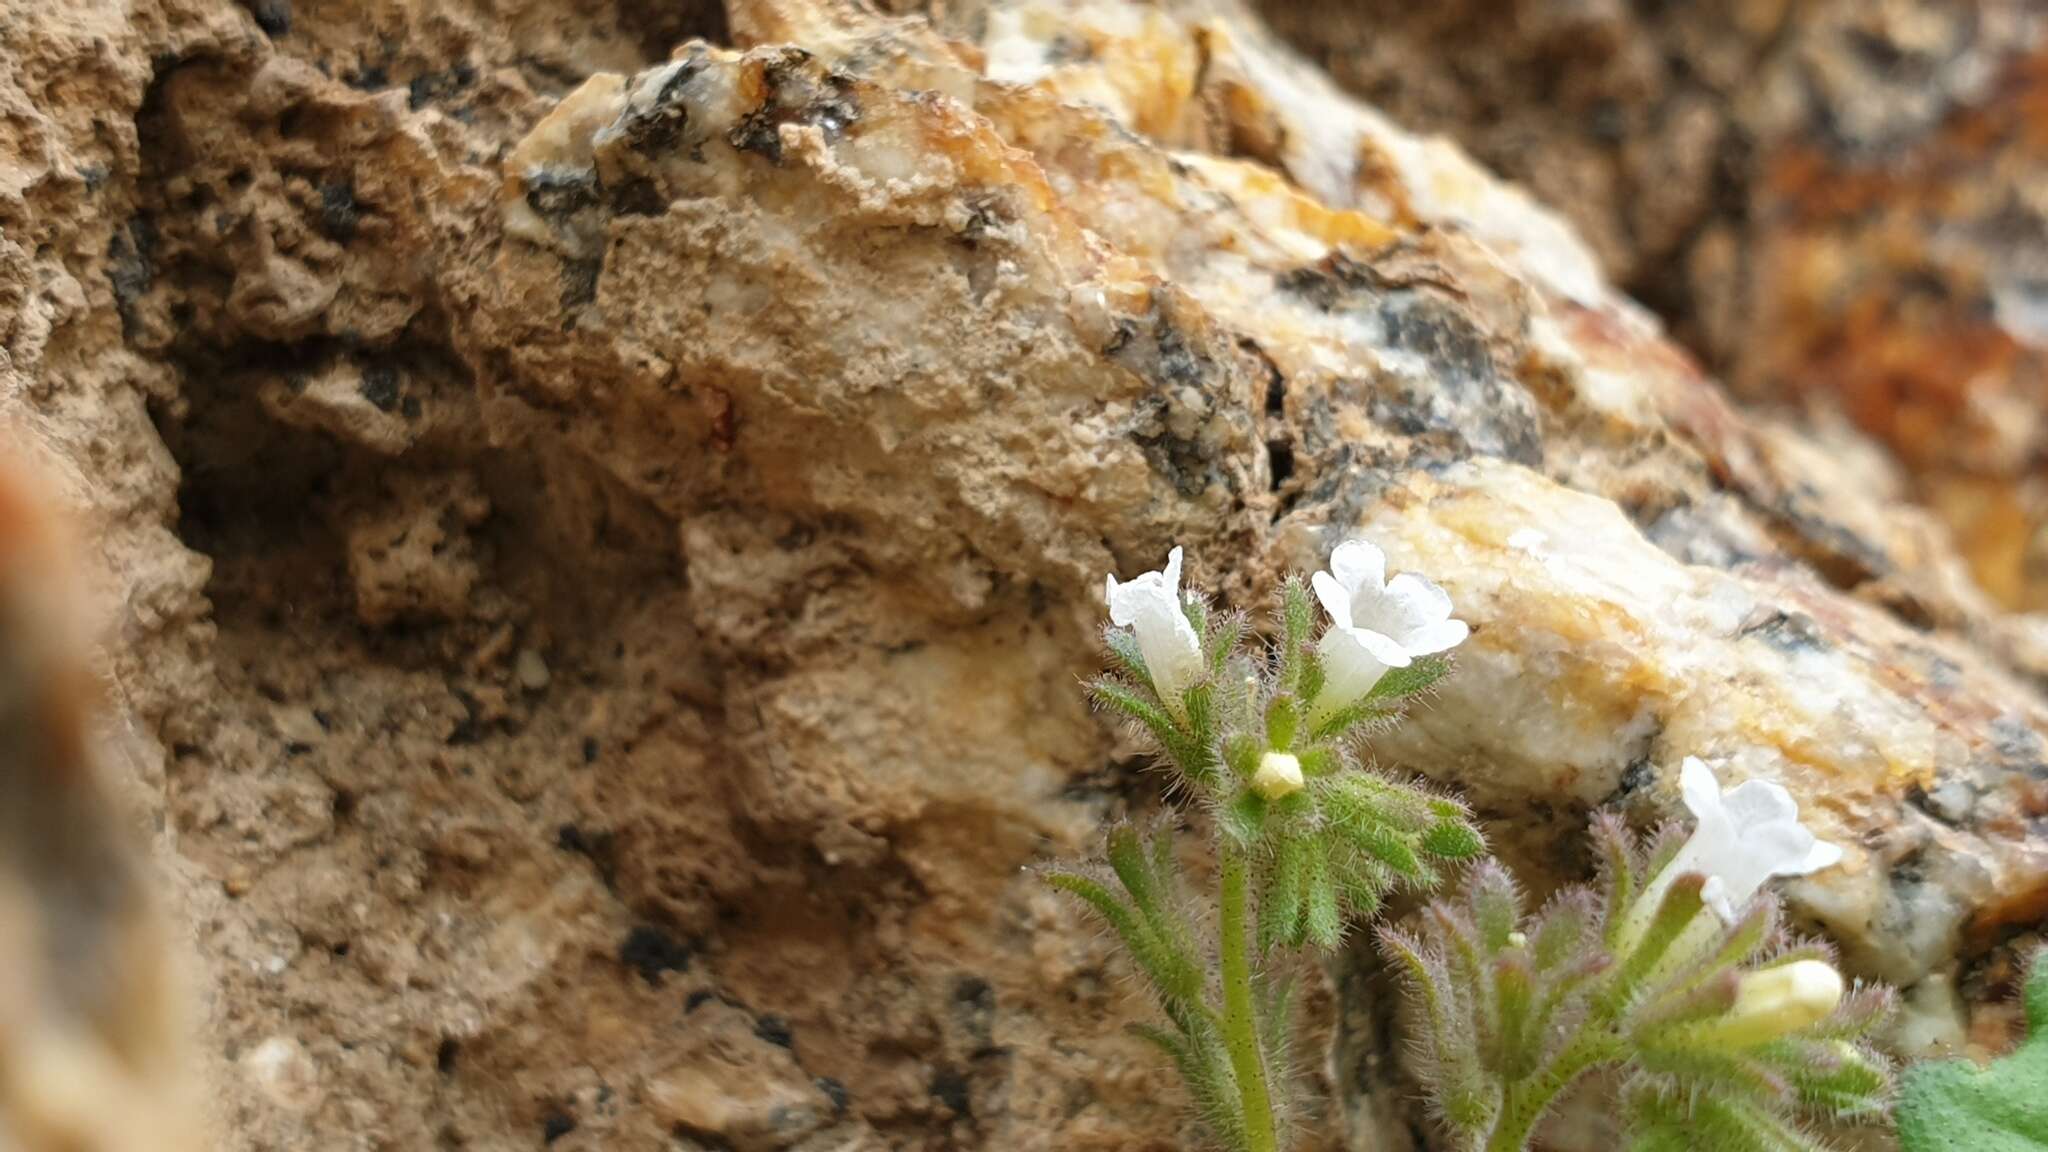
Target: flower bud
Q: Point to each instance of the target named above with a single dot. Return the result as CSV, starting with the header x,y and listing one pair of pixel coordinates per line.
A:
x,y
1777,1002
1279,775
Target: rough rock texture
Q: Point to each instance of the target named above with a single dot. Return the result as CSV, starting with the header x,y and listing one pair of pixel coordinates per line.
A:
x,y
1835,201
601,543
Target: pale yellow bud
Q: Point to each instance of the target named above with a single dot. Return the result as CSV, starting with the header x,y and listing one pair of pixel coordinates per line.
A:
x,y
1279,775
1778,1001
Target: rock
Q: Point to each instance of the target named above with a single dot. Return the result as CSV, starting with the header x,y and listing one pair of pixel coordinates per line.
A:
x,y
737,1091
789,376
92,1043
414,556
284,1072
1833,202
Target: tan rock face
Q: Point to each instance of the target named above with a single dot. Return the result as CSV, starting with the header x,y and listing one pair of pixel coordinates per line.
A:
x,y
605,541
1836,202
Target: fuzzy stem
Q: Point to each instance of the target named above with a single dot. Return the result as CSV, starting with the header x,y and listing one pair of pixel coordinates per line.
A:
x,y
1240,1023
1528,1101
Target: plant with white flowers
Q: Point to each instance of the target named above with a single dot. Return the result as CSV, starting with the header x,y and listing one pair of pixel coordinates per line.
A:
x,y
1730,1036
1265,739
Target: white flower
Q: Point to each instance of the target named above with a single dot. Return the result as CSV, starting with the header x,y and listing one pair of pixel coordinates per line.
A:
x,y
1376,623
1745,836
1279,775
1151,607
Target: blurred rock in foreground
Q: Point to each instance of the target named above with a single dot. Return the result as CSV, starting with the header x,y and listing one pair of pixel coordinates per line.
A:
x,y
92,1053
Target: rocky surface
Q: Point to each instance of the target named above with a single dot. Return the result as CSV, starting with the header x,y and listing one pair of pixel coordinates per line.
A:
x,y
602,515
1834,202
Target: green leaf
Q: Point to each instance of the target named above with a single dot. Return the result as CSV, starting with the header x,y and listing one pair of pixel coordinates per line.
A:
x,y
1391,850
1297,627
1320,760
1117,696
1710,1071
1205,1070
1563,930
1664,1121
1150,886
1276,1019
1833,1079
1281,899
1616,849
1401,683
1704,1000
1219,643
1282,718
1243,817
1173,974
1676,910
1308,681
1241,752
1454,840
1957,1106
1361,881
1387,698
1362,799
1496,906
1198,757
1344,720
1125,654
1722,1125
1322,923
1520,1037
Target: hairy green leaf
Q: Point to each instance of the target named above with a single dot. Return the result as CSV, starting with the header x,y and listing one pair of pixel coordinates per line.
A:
x,y
1322,923
1280,901
1958,1106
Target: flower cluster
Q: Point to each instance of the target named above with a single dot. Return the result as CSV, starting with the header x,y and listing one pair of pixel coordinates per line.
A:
x,y
1676,971
1265,739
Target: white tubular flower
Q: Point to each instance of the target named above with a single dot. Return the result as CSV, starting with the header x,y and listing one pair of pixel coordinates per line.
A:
x,y
1150,606
1777,1002
1376,623
1279,775
1745,836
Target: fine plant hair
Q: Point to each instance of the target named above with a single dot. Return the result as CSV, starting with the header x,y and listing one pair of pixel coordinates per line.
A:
x,y
1512,1010
1305,837
1723,1031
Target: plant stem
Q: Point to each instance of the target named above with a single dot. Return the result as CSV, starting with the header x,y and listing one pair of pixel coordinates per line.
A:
x,y
1518,1116
1529,1100
1240,1023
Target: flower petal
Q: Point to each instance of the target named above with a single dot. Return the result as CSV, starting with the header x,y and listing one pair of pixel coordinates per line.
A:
x,y
1359,566
1699,788
1172,650
1335,600
1441,636
1353,661
1744,837
1821,855
1150,606
1128,599
1383,647
1759,802
1409,604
